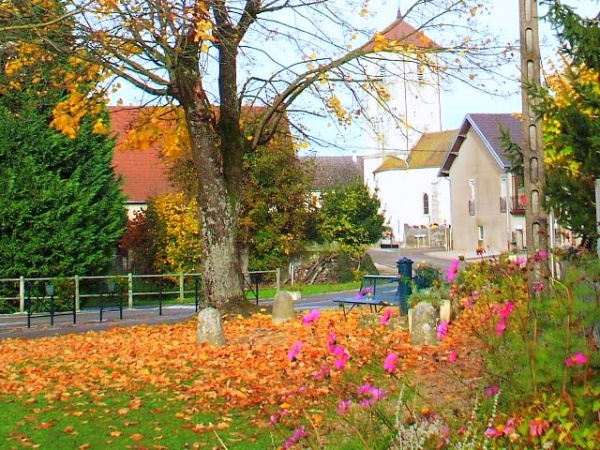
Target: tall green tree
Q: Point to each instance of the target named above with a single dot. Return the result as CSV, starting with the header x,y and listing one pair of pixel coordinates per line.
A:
x,y
570,106
350,217
61,208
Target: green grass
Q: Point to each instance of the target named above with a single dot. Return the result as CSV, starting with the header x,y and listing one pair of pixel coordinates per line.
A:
x,y
311,289
113,419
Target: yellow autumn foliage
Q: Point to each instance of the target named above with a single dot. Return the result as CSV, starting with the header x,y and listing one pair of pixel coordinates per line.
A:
x,y
178,233
562,84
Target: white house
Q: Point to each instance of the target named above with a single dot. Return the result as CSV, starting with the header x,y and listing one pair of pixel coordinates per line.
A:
x,y
413,196
488,201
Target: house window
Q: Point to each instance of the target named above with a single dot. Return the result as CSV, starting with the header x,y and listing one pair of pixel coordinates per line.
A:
x,y
518,199
480,232
425,204
472,199
471,207
502,204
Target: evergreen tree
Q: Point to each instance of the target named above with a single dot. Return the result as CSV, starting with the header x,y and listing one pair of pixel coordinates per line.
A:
x,y
61,208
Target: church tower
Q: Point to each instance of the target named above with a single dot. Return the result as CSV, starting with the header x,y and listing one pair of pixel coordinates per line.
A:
x,y
414,89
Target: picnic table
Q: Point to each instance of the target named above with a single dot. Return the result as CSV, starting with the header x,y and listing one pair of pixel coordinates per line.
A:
x,y
376,292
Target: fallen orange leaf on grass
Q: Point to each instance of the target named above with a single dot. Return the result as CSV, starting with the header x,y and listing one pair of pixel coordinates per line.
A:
x,y
136,437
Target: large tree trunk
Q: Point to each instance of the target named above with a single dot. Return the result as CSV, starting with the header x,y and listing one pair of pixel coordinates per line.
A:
x,y
222,281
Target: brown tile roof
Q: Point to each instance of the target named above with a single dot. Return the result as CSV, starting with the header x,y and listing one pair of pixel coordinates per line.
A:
x,y
489,128
144,173
331,172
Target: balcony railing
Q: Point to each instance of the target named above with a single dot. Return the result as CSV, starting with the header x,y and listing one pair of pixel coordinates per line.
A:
x,y
517,204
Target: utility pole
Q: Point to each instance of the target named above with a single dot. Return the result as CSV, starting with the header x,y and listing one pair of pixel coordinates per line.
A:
x,y
533,151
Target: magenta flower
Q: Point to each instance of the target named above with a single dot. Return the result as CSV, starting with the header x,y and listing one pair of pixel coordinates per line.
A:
x,y
453,356
311,317
385,318
501,327
543,254
538,286
342,357
322,374
492,390
372,394
452,270
295,437
366,291
578,359
521,261
505,310
343,407
391,362
365,388
442,330
293,353
538,426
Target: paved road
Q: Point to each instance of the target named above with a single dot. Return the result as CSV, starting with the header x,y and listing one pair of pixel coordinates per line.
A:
x,y
387,257
15,325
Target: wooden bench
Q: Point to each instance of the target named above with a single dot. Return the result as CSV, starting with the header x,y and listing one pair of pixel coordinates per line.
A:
x,y
376,292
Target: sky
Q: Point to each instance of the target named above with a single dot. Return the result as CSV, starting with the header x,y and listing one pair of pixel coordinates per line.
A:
x,y
457,100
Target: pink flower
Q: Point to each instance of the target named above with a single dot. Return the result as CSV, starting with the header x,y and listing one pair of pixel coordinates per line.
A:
x,y
343,407
538,286
493,432
505,310
492,390
342,357
543,254
373,394
364,292
538,426
452,271
293,353
322,374
453,356
385,318
295,437
311,317
521,261
442,330
365,388
500,327
391,362
578,359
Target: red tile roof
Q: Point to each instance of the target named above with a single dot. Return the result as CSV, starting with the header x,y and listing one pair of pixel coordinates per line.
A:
x,y
144,173
405,35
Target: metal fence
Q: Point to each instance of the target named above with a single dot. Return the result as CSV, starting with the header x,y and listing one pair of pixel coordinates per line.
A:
x,y
51,297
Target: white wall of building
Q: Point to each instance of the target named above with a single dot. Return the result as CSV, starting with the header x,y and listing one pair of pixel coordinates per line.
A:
x,y
401,194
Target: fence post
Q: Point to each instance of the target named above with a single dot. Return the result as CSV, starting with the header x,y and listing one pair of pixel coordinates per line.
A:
x,y
77,293
130,290
278,279
181,287
21,293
